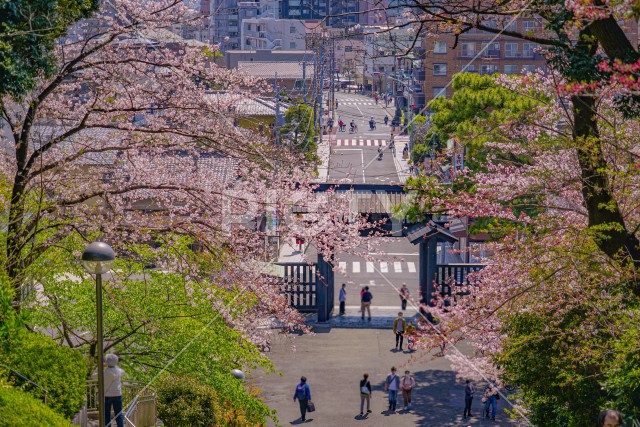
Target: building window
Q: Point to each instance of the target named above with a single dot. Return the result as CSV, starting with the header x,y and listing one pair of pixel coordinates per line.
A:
x,y
440,47
511,69
491,50
510,50
511,26
249,26
440,69
292,45
470,68
527,50
348,48
528,26
468,50
292,30
439,91
488,69
528,69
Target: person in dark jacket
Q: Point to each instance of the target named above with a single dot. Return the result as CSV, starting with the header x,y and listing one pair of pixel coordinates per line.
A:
x,y
366,302
365,394
303,394
469,390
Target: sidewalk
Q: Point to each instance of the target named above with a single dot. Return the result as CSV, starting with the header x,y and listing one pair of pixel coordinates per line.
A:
x,y
402,165
324,153
333,360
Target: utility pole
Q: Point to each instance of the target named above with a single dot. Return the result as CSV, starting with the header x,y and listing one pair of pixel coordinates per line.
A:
x,y
320,85
332,91
304,80
278,121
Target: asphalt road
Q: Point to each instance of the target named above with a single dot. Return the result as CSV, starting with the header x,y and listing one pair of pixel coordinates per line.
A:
x,y
354,156
384,269
333,360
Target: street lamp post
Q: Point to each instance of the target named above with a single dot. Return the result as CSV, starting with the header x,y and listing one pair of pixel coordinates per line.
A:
x,y
98,258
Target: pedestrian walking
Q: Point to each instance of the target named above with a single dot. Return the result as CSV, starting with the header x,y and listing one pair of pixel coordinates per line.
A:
x,y
113,390
391,386
490,400
404,296
343,298
407,383
366,302
303,395
469,390
610,418
399,325
365,394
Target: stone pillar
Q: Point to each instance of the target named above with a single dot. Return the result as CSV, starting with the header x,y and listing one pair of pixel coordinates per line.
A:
x,y
428,266
324,289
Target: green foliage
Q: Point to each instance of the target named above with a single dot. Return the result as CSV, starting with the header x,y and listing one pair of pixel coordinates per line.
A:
x,y
299,131
28,30
58,369
150,317
19,409
184,401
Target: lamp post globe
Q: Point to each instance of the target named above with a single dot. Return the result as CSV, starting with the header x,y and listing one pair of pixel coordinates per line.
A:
x,y
98,258
238,374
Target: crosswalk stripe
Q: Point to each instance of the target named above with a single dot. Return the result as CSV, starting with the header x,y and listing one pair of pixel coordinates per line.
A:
x,y
339,142
412,267
369,267
342,266
361,143
368,143
356,267
397,266
384,268
375,142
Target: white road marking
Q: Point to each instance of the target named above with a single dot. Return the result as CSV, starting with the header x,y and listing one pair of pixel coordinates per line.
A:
x,y
384,268
412,267
368,143
397,266
356,267
342,266
370,268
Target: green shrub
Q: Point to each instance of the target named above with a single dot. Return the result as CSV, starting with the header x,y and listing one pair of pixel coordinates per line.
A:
x,y
58,369
19,409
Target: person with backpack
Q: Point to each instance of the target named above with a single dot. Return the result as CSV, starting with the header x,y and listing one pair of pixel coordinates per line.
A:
x,y
366,302
399,326
365,394
391,386
407,383
303,395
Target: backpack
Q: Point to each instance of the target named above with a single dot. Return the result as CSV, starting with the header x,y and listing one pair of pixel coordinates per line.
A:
x,y
300,391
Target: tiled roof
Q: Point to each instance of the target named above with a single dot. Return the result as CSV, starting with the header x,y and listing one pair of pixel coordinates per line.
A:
x,y
244,106
284,70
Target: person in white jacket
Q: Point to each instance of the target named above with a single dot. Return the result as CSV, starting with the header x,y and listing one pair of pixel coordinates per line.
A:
x,y
113,390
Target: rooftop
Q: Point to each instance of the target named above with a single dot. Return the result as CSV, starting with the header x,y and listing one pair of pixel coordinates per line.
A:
x,y
283,70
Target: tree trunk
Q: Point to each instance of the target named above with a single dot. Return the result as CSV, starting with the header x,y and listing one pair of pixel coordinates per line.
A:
x,y
605,219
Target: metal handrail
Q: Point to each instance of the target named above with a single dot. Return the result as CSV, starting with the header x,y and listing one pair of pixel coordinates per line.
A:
x,y
18,374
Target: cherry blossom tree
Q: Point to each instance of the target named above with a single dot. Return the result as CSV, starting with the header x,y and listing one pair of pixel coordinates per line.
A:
x,y
551,307
124,143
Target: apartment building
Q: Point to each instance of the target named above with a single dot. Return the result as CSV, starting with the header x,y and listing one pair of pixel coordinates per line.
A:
x,y
481,52
304,9
227,17
269,33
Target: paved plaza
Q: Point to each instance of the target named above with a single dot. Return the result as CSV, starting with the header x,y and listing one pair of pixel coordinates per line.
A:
x,y
333,360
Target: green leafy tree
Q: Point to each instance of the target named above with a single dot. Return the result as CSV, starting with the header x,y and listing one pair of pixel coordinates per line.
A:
x,y
28,31
299,131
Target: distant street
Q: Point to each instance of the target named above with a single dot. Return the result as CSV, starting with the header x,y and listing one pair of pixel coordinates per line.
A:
x,y
354,155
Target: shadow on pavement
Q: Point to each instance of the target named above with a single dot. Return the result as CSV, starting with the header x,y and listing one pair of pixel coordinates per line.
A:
x,y
437,399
